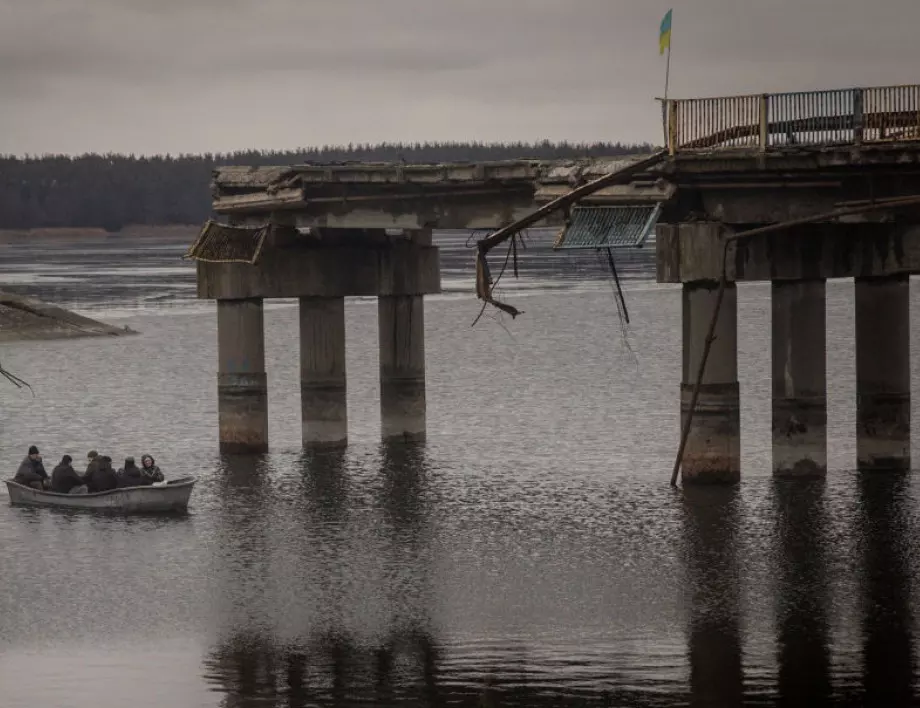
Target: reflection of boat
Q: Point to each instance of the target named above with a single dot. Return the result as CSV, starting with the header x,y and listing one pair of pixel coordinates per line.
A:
x,y
170,497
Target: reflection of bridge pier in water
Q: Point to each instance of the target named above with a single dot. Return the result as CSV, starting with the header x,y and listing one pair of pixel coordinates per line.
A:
x,y
803,594
713,579
243,544
331,669
328,662
888,652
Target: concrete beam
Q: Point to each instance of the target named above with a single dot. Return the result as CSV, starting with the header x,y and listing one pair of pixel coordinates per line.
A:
x,y
883,374
482,214
304,271
693,252
488,211
766,205
799,379
795,159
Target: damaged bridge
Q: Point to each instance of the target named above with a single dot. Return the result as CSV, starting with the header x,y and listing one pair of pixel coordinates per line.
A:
x,y
790,188
322,233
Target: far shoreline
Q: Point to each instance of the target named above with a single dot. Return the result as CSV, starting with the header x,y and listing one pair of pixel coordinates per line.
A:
x,y
171,233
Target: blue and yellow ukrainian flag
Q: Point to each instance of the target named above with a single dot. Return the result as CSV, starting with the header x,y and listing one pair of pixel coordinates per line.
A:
x,y
664,39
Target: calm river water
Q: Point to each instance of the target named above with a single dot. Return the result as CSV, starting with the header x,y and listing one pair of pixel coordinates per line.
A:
x,y
530,553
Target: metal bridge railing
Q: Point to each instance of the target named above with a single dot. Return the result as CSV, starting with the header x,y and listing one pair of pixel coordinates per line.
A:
x,y
808,118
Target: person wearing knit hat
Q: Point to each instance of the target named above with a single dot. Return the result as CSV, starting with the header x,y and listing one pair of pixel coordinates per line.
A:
x,y
31,472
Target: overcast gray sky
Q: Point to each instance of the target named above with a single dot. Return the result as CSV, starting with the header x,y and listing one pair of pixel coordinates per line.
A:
x,y
174,76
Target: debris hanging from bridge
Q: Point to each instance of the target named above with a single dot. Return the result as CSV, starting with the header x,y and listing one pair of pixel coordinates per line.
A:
x,y
484,282
221,243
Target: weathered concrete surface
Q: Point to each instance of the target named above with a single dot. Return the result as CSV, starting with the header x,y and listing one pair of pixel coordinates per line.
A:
x,y
323,388
401,322
713,451
691,252
799,379
735,187
403,268
25,318
883,373
242,393
481,195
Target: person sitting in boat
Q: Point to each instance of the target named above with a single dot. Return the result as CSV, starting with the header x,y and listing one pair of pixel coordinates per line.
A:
x,y
92,465
65,479
150,469
101,478
31,472
131,476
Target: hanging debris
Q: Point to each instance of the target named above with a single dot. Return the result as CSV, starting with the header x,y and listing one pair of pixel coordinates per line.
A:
x,y
220,243
615,226
485,286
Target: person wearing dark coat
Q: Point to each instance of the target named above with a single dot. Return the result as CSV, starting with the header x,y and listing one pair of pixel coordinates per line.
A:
x,y
31,472
92,465
101,478
131,476
64,478
150,469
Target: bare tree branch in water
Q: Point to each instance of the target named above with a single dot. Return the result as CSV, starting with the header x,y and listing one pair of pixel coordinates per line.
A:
x,y
15,380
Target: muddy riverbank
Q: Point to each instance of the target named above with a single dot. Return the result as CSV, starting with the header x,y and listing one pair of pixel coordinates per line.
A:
x,y
25,318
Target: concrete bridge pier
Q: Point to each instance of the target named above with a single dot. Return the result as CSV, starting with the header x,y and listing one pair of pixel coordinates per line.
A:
x,y
323,390
242,392
799,378
401,322
713,451
883,373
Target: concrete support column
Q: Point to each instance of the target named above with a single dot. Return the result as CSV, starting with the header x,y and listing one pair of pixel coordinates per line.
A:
x,y
883,373
401,319
322,372
242,393
713,451
799,378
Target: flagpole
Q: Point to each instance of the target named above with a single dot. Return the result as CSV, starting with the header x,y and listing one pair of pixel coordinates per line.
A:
x,y
667,71
667,80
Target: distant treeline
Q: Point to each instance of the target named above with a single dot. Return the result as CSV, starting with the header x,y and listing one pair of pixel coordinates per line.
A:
x,y
113,191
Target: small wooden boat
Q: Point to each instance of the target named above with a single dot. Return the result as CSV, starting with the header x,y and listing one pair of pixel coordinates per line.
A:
x,y
170,497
